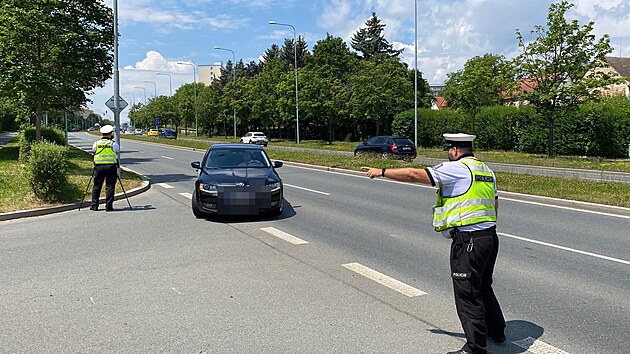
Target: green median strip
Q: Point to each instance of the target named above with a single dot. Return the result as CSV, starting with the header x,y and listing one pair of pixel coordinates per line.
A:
x,y
16,193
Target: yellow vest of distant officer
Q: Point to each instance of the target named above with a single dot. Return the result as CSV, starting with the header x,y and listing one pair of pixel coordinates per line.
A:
x,y
105,154
475,206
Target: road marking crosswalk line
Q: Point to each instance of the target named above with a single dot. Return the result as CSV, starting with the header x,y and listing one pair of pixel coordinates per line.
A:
x,y
537,347
383,279
187,195
283,235
164,185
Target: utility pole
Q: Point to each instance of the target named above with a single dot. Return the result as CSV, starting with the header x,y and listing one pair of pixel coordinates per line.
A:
x,y
116,82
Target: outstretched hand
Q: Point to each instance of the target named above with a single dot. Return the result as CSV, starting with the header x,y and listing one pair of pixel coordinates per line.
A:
x,y
372,172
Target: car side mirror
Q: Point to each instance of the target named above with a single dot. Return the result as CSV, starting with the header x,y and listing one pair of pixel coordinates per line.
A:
x,y
365,143
195,165
277,164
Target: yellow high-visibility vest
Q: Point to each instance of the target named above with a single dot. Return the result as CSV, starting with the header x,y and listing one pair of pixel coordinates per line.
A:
x,y
473,207
104,154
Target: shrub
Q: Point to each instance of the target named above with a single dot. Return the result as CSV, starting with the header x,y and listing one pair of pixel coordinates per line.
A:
x,y
25,149
46,169
608,123
50,134
431,125
496,126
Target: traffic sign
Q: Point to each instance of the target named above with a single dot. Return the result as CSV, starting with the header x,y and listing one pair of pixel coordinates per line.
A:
x,y
156,122
122,104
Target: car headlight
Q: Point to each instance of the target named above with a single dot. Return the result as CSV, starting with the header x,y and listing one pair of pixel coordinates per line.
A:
x,y
207,187
274,186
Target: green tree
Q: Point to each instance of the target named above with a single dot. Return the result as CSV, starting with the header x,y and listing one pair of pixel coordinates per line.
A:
x,y
264,96
484,81
370,40
209,106
287,53
53,52
379,91
561,65
270,54
184,101
334,53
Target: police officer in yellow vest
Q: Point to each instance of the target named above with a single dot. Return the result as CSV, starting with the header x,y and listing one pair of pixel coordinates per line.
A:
x,y
106,153
465,211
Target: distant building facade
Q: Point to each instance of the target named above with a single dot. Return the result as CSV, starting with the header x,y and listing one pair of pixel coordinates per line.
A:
x,y
210,73
620,68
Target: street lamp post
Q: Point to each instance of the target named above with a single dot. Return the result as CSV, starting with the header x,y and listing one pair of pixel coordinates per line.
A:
x,y
170,82
415,75
133,98
154,87
297,110
233,79
195,89
145,93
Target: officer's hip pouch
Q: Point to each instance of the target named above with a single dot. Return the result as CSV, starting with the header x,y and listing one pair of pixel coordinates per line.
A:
x,y
461,252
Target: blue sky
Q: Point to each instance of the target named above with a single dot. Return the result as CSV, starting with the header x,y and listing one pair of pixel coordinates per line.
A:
x,y
156,34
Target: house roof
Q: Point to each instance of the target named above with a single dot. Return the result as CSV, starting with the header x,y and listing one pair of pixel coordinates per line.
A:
x,y
440,102
620,65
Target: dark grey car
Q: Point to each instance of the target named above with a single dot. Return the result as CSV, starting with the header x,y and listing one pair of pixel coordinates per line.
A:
x,y
237,179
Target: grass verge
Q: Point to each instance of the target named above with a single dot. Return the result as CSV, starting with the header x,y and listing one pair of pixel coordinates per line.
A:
x,y
16,193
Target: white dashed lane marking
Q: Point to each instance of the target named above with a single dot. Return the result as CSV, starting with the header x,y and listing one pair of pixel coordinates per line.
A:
x,y
384,280
565,248
187,195
537,347
168,158
164,185
283,235
306,189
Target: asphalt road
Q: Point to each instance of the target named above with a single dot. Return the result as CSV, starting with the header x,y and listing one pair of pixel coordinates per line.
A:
x,y
155,279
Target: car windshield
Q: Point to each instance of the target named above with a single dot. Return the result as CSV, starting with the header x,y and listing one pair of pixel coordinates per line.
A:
x,y
236,158
259,134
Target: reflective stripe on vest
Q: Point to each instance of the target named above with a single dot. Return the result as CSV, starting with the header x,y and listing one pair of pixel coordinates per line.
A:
x,y
473,207
104,154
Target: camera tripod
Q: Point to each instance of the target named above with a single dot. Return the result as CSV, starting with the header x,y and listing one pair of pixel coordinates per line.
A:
x,y
90,181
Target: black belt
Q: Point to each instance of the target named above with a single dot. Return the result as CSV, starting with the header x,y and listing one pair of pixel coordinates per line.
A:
x,y
466,236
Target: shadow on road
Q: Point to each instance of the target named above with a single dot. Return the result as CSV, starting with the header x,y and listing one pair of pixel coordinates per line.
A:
x,y
520,336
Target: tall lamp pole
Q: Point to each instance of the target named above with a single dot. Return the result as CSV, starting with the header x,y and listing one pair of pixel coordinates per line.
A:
x,y
145,93
195,88
415,73
116,83
297,110
233,78
154,87
170,82
133,98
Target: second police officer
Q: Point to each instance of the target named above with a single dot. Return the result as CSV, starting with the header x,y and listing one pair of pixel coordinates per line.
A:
x,y
465,211
106,154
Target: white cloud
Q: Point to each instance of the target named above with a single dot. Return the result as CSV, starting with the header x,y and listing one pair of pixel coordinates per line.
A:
x,y
133,86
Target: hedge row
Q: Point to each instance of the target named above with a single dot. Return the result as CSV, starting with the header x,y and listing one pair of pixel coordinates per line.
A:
x,y
599,128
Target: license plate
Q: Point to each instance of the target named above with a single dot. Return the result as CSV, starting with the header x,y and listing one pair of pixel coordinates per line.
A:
x,y
406,148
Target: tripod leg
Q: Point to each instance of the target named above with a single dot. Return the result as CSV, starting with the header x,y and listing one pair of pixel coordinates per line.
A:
x,y
123,189
86,189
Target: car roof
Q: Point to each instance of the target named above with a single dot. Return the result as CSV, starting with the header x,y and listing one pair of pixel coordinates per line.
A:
x,y
235,146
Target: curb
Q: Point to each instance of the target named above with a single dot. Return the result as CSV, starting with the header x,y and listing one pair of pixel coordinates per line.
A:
x,y
146,185
565,203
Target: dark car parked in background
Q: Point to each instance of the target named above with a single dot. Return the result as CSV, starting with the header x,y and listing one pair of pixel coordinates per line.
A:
x,y
167,133
237,179
387,146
